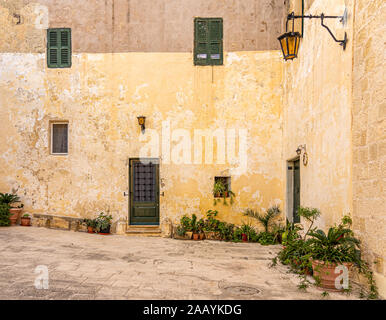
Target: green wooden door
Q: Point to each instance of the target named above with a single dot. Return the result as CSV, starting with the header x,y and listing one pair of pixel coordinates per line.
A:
x,y
296,191
144,191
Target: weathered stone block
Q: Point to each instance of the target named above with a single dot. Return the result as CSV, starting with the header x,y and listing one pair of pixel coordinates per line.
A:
x,y
60,223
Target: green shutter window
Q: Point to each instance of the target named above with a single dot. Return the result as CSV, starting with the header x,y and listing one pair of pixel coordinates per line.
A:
x,y
208,41
59,48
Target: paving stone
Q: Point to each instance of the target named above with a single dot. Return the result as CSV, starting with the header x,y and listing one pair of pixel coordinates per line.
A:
x,y
84,267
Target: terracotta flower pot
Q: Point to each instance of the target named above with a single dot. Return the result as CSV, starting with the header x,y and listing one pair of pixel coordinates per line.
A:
x,y
202,236
189,234
25,221
15,214
196,236
105,232
90,229
244,237
326,274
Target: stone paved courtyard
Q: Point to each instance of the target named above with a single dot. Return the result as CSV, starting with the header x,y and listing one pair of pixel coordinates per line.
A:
x,y
90,266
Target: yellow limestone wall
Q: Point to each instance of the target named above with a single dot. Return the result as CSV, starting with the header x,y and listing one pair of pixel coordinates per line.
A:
x,y
369,135
317,112
101,96
335,104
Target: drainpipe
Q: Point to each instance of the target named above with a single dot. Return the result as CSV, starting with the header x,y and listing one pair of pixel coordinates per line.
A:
x,y
303,18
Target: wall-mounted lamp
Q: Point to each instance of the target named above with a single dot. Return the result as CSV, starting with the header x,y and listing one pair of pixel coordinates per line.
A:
x,y
289,41
141,122
305,154
17,18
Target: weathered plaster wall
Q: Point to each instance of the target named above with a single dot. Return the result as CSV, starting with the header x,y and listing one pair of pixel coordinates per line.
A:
x,y
151,25
369,132
101,96
335,103
317,112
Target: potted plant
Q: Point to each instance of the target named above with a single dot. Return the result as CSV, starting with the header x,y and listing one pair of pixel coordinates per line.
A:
x,y
194,227
9,199
200,228
187,226
220,190
245,232
4,215
211,225
328,251
91,225
25,220
180,233
103,223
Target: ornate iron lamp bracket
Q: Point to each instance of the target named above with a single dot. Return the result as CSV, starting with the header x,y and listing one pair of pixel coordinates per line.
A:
x,y
343,19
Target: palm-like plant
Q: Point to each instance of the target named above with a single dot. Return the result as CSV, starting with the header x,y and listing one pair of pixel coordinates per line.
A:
x,y
264,219
337,246
8,198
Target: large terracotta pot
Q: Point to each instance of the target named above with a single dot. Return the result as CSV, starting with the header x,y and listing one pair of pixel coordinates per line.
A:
x,y
15,214
326,274
196,236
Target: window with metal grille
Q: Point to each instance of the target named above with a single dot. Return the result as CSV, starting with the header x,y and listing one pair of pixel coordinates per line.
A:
x,y
59,138
59,48
208,41
225,182
144,182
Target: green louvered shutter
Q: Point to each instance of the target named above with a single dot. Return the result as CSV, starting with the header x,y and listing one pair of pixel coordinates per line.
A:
x,y
201,36
59,48
215,42
208,41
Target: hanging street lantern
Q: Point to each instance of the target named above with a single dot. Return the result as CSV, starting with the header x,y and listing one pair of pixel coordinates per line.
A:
x,y
289,41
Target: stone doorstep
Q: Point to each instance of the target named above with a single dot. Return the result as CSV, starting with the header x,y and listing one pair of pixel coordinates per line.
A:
x,y
143,230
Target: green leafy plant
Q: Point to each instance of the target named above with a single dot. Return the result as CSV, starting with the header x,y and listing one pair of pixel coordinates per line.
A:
x,y
264,219
200,225
211,223
103,222
338,245
8,198
186,223
309,214
90,223
4,215
193,223
297,254
226,230
290,233
220,190
266,238
26,215
180,231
